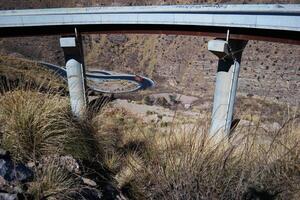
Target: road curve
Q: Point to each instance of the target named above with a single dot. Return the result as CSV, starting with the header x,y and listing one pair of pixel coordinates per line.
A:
x,y
100,76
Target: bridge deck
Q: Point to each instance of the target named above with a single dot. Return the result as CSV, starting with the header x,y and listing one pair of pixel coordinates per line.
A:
x,y
275,22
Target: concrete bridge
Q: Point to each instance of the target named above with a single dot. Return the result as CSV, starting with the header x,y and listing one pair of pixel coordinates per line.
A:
x,y
233,25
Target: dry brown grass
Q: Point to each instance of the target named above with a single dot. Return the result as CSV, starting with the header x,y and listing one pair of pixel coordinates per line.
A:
x,y
144,161
54,181
25,74
200,168
192,165
35,124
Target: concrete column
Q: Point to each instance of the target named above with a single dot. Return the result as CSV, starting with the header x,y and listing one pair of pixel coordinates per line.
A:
x,y
229,54
75,74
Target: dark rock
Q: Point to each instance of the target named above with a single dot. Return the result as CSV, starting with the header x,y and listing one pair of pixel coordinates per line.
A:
x,y
6,169
110,192
23,173
7,196
259,194
250,95
10,172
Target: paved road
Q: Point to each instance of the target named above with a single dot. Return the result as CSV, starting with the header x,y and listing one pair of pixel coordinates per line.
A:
x,y
107,81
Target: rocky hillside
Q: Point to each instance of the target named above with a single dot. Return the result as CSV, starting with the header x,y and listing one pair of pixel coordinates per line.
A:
x,y
183,63
179,64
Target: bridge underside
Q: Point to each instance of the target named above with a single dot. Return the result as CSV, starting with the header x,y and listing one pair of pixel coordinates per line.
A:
x,y
237,23
282,36
226,81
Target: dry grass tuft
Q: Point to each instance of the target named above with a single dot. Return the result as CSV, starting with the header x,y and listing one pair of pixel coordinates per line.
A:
x,y
34,124
53,181
143,160
192,165
203,169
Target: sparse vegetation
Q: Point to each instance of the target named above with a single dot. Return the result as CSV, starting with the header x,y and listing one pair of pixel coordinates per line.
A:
x,y
36,125
28,75
191,165
54,181
138,160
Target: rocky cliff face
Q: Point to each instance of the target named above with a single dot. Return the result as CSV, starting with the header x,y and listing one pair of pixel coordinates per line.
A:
x,y
177,63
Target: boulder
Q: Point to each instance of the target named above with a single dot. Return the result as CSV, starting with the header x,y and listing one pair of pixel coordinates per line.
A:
x,y
23,173
70,163
10,171
6,169
7,196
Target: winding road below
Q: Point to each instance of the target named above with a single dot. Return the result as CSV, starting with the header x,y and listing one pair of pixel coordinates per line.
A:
x,y
107,81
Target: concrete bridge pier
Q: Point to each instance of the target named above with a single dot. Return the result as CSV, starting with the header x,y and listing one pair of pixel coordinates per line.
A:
x,y
72,48
229,53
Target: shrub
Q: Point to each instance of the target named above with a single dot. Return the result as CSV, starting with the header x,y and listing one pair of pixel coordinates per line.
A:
x,y
35,124
190,164
53,181
195,166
